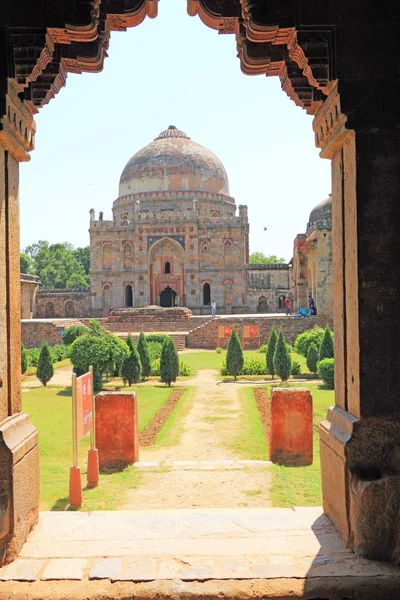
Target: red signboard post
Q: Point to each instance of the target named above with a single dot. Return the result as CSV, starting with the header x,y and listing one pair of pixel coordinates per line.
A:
x,y
82,423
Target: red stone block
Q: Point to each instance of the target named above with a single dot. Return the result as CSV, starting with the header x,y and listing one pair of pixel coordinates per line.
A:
x,y
291,436
117,433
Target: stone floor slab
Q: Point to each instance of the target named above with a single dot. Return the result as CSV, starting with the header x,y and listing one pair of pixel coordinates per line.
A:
x,y
106,568
65,568
22,570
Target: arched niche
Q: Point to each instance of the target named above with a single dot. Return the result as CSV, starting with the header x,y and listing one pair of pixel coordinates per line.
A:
x,y
107,296
69,309
206,294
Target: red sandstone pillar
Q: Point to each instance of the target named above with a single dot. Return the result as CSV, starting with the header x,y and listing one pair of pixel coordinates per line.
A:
x,y
117,432
291,437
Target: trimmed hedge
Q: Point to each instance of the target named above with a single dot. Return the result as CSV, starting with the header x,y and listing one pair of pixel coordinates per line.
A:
x,y
326,370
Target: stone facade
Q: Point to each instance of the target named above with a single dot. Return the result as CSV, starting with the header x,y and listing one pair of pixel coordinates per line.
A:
x,y
312,261
61,304
175,238
29,288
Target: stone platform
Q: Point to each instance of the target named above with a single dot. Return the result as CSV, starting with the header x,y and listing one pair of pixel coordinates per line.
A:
x,y
269,553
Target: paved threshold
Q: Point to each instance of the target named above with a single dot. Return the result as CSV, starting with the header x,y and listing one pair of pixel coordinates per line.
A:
x,y
257,553
201,465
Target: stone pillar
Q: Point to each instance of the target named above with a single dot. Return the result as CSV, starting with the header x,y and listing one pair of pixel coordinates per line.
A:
x,y
19,454
360,439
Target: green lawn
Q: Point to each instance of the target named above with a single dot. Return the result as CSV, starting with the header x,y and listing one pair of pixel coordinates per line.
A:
x,y
301,486
201,360
50,411
173,427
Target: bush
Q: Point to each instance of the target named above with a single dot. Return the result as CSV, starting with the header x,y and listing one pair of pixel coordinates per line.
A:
x,y
252,366
154,349
169,362
105,353
296,368
24,359
131,370
70,334
129,342
33,356
305,339
269,358
59,352
282,362
263,349
184,370
144,355
326,349
312,358
218,350
155,367
156,337
45,369
223,370
234,355
326,370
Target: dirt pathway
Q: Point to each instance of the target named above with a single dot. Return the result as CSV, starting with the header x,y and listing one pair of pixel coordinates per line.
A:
x,y
213,418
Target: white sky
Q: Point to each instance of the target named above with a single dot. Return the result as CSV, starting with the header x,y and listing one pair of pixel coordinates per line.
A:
x,y
172,70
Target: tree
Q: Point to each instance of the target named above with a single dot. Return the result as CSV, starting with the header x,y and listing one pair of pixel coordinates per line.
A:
x,y
312,358
269,357
234,355
169,362
129,342
25,263
144,355
82,255
258,258
70,334
282,361
24,359
131,370
45,368
326,349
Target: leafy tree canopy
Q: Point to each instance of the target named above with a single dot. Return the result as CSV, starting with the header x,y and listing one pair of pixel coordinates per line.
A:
x,y
25,263
58,265
258,258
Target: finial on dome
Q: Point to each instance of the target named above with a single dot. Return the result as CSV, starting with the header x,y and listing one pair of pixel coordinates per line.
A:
x,y
172,132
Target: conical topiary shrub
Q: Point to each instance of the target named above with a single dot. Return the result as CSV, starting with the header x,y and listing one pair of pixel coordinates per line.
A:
x,y
269,357
326,349
312,358
282,360
24,359
169,362
45,368
131,370
129,342
234,355
144,355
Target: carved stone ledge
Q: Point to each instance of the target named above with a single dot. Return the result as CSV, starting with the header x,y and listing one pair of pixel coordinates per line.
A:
x,y
329,125
17,127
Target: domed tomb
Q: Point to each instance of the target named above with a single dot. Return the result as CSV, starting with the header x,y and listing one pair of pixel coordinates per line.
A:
x,y
321,215
173,162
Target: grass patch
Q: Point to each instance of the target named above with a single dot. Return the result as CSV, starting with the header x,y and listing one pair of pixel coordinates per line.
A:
x,y
248,441
174,425
199,361
215,419
301,486
50,412
252,492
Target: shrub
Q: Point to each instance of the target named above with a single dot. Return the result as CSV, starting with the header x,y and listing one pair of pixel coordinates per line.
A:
x,y
155,367
326,370
271,351
312,358
305,339
154,349
296,368
184,370
105,353
326,349
263,349
70,334
24,359
58,352
234,355
223,370
129,342
218,350
252,366
33,356
169,362
45,369
282,362
131,370
289,348
156,337
144,355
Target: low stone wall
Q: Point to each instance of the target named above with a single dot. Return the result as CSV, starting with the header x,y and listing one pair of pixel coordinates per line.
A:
x,y
36,331
59,304
207,336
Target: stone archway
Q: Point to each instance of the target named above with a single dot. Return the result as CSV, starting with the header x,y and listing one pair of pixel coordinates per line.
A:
x,y
69,309
166,269
168,297
49,310
262,305
343,97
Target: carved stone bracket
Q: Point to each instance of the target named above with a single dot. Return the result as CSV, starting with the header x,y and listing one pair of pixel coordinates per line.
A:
x,y
17,127
329,125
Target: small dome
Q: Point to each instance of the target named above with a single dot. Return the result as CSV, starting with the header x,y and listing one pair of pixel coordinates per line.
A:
x,y
173,162
321,215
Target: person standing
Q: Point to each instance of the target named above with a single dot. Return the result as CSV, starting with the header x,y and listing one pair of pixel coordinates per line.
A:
x,y
311,305
287,306
213,308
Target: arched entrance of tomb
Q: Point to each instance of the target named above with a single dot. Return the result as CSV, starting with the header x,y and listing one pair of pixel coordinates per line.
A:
x,y
128,295
69,309
271,41
166,270
168,297
206,294
262,306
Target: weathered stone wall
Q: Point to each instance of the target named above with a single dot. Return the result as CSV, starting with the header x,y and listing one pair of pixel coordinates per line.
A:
x,y
36,331
61,304
207,336
29,289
